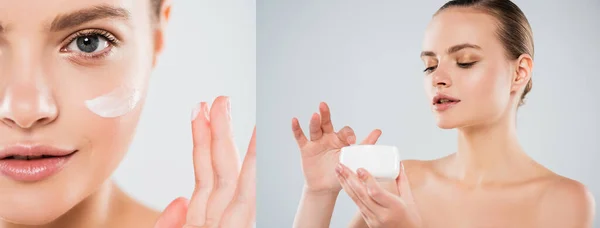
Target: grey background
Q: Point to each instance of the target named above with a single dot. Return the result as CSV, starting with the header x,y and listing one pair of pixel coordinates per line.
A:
x,y
210,51
362,58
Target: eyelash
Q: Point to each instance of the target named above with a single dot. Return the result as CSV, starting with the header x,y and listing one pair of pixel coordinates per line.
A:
x,y
112,42
465,65
461,65
429,69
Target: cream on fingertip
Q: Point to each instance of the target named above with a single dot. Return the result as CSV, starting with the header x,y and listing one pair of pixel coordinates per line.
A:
x,y
196,111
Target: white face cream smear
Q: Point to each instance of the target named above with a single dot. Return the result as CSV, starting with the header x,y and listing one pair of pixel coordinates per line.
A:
x,y
115,103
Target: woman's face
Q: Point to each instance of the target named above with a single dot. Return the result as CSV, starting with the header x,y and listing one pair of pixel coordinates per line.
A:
x,y
73,77
465,60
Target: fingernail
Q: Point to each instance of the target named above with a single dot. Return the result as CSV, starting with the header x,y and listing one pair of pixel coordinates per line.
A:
x,y
350,139
361,173
228,107
195,111
205,109
338,169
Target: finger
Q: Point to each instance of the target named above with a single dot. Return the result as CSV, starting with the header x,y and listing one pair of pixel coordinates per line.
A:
x,y
372,138
346,134
298,133
202,164
315,127
241,210
355,190
225,161
404,186
390,186
174,214
326,124
360,190
379,195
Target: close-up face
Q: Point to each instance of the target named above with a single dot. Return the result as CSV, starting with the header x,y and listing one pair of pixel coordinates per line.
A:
x,y
73,78
466,62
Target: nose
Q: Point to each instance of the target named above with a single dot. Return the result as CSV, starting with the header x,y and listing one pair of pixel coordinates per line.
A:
x,y
441,79
27,106
26,100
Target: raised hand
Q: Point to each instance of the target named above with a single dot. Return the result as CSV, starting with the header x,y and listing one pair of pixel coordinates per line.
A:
x,y
223,196
320,154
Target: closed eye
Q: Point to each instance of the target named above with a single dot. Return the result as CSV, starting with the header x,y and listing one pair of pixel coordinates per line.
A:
x,y
429,69
465,65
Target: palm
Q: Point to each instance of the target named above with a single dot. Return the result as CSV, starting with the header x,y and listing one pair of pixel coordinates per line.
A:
x,y
320,155
319,159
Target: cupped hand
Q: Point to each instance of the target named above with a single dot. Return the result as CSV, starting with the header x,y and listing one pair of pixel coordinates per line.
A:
x,y
320,154
223,196
379,207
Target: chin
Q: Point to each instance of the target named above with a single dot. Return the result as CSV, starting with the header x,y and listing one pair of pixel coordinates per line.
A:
x,y
446,123
33,213
36,204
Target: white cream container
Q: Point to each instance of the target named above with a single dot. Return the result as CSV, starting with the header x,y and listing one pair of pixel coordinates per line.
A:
x,y
383,162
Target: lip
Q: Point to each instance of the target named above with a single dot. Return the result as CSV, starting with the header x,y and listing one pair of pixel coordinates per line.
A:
x,y
39,168
444,106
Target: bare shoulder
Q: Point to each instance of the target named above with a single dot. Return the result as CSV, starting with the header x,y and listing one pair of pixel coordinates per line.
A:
x,y
413,166
417,170
566,203
424,168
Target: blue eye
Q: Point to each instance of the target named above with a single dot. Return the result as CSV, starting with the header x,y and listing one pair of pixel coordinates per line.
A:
x,y
91,41
88,44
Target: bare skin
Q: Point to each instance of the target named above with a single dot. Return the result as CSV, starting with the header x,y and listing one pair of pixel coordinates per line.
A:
x,y
45,78
489,182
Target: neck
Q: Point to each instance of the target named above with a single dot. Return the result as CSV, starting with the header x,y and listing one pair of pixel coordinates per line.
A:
x,y
93,211
488,153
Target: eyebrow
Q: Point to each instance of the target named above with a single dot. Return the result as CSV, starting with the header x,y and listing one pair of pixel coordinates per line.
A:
x,y
452,49
83,16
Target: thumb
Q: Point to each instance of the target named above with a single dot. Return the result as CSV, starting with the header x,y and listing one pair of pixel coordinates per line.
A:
x,y
375,190
372,137
174,215
404,186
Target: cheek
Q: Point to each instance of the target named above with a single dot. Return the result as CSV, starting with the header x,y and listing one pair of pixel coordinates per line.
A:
x,y
109,140
111,89
486,87
116,103
103,141
100,109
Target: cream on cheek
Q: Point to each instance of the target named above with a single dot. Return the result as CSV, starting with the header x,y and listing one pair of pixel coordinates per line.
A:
x,y
118,102
126,92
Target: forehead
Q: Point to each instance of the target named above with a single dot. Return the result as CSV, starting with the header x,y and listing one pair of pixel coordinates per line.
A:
x,y
455,26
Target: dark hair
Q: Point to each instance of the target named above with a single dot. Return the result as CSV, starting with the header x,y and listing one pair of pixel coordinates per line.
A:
x,y
513,30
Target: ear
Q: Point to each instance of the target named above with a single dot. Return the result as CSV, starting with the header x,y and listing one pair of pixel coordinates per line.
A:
x,y
160,28
522,73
